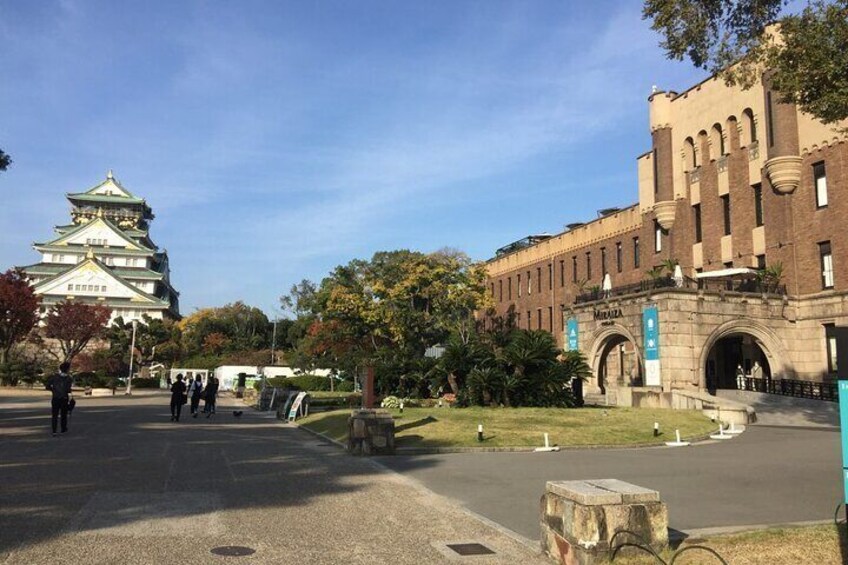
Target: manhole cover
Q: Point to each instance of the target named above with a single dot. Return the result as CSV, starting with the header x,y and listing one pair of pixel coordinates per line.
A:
x,y
470,549
233,550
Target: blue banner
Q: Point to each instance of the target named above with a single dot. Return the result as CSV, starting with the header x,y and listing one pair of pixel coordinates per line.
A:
x,y
843,419
572,335
651,345
651,331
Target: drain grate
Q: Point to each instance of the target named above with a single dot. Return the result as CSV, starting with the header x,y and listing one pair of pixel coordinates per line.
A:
x,y
233,550
470,549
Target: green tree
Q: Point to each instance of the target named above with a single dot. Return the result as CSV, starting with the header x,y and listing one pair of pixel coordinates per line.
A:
x,y
386,312
807,59
5,161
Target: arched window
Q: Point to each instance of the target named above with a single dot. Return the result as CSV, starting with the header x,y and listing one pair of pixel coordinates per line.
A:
x,y
717,140
749,126
689,154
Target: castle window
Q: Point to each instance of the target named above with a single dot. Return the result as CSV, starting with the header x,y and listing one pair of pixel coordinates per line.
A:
x,y
770,119
826,257
830,342
717,139
658,233
618,256
635,252
690,156
725,207
758,204
820,181
750,127
696,209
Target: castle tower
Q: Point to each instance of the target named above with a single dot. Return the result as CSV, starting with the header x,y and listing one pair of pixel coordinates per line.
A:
x,y
105,256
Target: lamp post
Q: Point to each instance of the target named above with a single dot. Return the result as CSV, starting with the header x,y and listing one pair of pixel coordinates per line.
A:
x,y
132,357
274,341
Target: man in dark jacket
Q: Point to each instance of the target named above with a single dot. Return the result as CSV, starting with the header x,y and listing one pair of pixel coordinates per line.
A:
x,y
60,385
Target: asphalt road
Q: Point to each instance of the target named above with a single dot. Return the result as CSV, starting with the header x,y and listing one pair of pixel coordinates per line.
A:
x,y
768,475
126,485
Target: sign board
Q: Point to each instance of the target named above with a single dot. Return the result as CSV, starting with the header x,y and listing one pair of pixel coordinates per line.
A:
x,y
651,345
296,406
842,375
571,335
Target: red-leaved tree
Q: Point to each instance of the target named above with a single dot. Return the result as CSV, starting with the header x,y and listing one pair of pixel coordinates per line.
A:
x,y
18,310
74,324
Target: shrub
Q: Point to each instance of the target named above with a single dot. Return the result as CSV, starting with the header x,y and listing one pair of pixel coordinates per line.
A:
x,y
390,402
341,401
306,382
150,382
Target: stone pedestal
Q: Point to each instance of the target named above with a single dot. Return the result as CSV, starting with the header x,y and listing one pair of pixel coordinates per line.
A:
x,y
371,432
580,518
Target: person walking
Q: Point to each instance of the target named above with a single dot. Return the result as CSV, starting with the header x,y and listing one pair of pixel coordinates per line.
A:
x,y
178,393
60,385
211,394
195,391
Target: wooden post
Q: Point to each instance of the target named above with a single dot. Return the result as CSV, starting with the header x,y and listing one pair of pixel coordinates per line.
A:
x,y
368,388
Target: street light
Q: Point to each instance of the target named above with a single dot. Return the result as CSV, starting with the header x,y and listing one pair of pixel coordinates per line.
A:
x,y
274,341
132,357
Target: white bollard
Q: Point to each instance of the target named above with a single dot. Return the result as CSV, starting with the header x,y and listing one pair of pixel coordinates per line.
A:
x,y
734,431
677,443
720,434
547,445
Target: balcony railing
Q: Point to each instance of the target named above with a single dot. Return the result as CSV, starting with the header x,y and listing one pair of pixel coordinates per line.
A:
x,y
695,175
754,151
789,387
743,286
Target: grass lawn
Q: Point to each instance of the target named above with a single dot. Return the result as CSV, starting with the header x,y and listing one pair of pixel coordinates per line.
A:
x,y
814,545
520,427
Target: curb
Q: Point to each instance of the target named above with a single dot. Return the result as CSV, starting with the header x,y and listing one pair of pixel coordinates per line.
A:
x,y
447,450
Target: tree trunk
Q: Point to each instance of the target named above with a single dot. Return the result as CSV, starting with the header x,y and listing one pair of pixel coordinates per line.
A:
x,y
452,383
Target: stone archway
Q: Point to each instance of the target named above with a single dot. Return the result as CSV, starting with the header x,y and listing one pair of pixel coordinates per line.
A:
x,y
607,343
764,339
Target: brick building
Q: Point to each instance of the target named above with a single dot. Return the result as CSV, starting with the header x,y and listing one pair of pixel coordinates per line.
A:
x,y
745,195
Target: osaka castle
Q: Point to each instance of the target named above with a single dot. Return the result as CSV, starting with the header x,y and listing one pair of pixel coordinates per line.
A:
x,y
105,256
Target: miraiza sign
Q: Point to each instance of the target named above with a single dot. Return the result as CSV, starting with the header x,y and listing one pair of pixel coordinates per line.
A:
x,y
610,314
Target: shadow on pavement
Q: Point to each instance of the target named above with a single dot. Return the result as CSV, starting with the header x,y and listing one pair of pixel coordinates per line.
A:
x,y
125,469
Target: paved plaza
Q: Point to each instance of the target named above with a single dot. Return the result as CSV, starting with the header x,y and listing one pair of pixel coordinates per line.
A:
x,y
127,485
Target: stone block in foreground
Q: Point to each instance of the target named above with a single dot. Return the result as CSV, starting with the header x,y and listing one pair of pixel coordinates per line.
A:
x,y
371,432
580,518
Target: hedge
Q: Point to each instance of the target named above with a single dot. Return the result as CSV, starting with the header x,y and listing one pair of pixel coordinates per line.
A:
x,y
308,383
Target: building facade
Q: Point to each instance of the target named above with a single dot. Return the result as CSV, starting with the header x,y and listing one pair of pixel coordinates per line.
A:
x,y
730,265
106,256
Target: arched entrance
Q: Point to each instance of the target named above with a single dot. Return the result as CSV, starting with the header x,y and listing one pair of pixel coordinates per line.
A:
x,y
736,350
616,360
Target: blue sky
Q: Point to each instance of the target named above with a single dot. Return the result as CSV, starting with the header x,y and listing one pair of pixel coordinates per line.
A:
x,y
275,140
